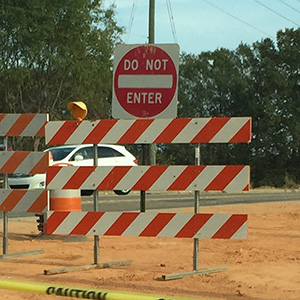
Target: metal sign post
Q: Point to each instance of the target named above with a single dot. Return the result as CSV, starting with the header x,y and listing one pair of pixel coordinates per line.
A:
x,y
5,214
96,196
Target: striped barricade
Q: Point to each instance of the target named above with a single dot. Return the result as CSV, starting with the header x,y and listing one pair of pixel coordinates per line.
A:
x,y
23,124
24,162
206,226
155,178
22,201
148,131
30,201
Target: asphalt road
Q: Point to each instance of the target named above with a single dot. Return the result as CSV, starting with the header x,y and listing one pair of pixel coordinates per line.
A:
x,y
168,200
158,201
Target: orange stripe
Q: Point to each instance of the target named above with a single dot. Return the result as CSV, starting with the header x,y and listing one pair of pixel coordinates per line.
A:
x,y
86,223
2,117
220,182
55,220
20,124
99,132
149,178
40,203
42,165
172,130
79,177
186,178
230,227
243,135
122,223
193,225
157,224
210,130
135,131
14,161
112,179
12,200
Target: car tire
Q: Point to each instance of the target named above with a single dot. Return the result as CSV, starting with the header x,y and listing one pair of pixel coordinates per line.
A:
x,y
122,192
87,192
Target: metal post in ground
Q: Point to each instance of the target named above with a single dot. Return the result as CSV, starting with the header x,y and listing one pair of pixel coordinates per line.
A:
x,y
96,237
196,211
5,214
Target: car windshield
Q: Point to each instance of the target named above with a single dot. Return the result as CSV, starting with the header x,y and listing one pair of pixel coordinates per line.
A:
x,y
60,153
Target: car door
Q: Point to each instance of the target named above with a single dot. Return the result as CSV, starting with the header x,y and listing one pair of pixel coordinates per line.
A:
x,y
83,157
106,156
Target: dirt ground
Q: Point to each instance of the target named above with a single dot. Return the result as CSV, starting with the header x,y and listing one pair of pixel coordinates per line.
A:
x,y
265,266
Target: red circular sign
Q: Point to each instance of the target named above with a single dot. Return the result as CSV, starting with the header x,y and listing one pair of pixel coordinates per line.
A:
x,y
145,81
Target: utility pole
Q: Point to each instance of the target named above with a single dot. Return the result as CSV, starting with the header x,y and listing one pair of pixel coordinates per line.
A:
x,y
148,150
151,21
152,147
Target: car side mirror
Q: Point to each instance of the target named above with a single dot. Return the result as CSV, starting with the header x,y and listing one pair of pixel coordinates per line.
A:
x,y
78,157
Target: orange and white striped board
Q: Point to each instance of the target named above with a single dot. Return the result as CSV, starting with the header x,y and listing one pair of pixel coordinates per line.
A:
x,y
149,224
23,124
156,178
148,131
24,162
33,201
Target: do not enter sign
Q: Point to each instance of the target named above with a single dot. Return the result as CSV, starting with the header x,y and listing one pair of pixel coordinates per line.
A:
x,y
145,81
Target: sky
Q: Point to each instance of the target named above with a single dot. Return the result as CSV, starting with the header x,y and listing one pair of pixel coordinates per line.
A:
x,y
206,25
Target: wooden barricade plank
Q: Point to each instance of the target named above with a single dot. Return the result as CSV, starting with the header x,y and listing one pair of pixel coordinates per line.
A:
x,y
155,178
31,201
148,131
150,224
24,162
23,124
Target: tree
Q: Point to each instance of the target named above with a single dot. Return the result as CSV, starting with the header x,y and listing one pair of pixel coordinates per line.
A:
x,y
261,81
53,52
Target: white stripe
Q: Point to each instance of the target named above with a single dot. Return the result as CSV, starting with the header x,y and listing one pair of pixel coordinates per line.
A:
x,y
81,132
205,178
117,131
212,226
241,180
229,130
51,129
145,81
175,225
7,122
5,156
61,178
35,125
69,223
104,223
31,160
27,200
189,132
131,177
139,224
96,177
153,131
167,178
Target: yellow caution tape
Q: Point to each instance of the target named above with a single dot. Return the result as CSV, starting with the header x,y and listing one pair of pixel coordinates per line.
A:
x,y
66,291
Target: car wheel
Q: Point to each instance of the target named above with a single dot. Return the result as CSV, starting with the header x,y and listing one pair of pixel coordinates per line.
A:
x,y
122,192
87,192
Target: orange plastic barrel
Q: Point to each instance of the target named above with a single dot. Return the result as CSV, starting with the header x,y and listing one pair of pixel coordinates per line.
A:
x,y
65,200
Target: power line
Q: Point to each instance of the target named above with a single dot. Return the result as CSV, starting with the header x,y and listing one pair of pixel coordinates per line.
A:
x,y
171,18
240,20
275,12
132,15
290,6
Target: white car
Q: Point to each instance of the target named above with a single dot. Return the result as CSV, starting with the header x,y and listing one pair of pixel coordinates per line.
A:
x,y
77,155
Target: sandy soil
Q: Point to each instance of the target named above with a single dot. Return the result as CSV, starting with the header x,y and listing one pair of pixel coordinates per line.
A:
x,y
265,266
